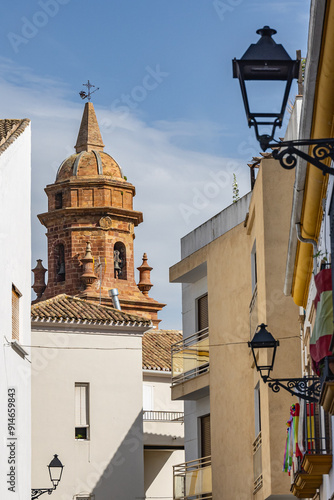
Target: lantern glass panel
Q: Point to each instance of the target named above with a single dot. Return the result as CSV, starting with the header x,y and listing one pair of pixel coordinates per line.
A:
x,y
265,97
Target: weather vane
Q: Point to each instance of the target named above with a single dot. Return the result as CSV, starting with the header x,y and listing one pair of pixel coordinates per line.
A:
x,y
87,95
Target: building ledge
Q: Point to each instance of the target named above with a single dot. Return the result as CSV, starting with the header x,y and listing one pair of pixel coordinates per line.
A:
x,y
192,389
318,464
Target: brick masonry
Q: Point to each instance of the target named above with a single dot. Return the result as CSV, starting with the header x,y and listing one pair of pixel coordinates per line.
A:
x,y
91,201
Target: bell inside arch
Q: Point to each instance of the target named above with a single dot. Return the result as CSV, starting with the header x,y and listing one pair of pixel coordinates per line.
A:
x,y
61,268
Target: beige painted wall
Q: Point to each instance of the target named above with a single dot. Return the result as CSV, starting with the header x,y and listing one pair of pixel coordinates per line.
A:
x,y
232,377
111,363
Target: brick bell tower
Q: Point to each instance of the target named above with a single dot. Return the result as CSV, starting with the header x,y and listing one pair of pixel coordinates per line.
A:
x,y
90,229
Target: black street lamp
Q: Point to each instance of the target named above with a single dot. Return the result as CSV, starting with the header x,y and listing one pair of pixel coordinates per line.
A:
x,y
55,470
307,388
268,61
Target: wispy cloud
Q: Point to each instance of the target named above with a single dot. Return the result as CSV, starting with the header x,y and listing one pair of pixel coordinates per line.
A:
x,y
166,174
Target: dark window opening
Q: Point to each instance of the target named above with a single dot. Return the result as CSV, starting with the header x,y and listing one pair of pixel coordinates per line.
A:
x,y
120,261
202,313
59,200
60,262
205,436
81,433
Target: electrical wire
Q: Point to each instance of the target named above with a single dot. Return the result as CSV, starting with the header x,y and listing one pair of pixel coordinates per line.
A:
x,y
135,348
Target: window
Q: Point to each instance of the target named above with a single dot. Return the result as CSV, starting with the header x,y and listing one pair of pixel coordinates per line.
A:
x,y
202,312
58,200
15,313
60,262
254,266
205,436
257,407
120,261
81,411
147,397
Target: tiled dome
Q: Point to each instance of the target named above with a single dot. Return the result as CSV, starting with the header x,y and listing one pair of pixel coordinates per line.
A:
x,y
89,164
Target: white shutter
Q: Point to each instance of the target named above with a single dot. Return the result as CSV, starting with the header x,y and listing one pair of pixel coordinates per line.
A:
x,y
148,397
81,405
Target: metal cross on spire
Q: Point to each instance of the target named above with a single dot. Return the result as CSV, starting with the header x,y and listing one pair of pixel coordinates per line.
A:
x,y
87,95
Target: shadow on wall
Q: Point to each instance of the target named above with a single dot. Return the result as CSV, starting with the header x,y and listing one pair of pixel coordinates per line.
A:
x,y
123,477
154,462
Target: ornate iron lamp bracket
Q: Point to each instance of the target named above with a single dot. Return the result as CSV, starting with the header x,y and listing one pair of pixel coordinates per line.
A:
x,y
307,388
288,150
35,493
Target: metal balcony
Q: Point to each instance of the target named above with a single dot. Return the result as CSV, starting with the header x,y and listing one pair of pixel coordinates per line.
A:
x,y
316,450
163,416
193,480
190,357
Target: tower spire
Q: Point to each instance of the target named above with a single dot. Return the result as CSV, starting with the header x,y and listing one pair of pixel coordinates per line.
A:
x,y
89,136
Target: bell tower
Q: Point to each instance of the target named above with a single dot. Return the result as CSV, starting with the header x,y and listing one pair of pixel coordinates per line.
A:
x,y
91,202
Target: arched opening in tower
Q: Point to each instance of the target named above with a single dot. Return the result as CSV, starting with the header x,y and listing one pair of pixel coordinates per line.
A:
x,y
59,253
120,261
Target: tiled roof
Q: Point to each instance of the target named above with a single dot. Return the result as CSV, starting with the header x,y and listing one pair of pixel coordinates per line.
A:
x,y
157,349
66,309
10,130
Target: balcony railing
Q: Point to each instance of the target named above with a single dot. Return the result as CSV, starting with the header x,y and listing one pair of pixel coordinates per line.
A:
x,y
315,447
193,480
163,416
190,357
257,463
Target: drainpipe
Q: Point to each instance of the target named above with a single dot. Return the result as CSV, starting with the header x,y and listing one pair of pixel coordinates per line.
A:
x,y
113,293
312,242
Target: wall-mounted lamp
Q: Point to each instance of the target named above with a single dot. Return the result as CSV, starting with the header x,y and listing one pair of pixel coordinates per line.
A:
x,y
307,388
55,470
268,61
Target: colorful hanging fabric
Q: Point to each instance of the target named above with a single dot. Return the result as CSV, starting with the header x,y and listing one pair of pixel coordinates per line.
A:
x,y
310,407
292,447
301,428
287,462
323,326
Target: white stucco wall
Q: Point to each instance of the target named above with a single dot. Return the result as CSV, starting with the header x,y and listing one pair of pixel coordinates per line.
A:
x,y
15,242
159,472
193,410
158,463
164,433
190,293
109,464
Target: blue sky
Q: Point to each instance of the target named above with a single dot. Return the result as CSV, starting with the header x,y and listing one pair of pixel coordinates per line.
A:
x,y
169,110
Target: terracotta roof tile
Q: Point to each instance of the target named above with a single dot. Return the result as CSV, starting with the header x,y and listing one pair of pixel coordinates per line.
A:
x,y
64,308
157,349
10,130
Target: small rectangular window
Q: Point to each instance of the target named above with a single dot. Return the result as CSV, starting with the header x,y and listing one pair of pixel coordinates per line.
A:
x,y
15,313
81,411
205,436
148,397
254,266
59,201
257,407
202,312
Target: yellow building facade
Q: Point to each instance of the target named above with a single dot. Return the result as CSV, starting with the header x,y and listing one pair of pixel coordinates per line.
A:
x,y
237,259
